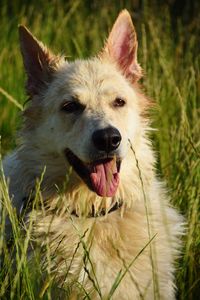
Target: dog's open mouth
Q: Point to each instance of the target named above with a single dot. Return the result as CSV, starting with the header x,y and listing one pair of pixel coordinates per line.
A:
x,y
101,176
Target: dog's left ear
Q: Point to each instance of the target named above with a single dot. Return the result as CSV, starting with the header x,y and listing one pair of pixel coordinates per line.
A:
x,y
40,64
121,47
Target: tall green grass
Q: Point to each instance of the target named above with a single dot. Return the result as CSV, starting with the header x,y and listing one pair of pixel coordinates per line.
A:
x,y
169,54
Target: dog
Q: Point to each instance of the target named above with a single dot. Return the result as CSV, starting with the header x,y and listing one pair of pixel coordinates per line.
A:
x,y
105,216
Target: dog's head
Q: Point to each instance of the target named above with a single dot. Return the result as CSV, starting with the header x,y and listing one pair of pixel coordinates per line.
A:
x,y
86,111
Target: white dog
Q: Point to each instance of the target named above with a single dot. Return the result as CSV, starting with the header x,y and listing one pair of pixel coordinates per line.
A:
x,y
105,216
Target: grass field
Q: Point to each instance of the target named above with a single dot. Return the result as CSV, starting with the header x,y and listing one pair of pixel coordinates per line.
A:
x,y
169,52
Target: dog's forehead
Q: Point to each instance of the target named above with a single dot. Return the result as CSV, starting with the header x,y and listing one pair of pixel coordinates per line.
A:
x,y
91,79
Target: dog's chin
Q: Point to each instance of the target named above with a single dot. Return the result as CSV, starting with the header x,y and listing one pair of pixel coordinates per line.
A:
x,y
101,176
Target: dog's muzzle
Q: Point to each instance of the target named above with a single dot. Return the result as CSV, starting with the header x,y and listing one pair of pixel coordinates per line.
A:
x,y
102,174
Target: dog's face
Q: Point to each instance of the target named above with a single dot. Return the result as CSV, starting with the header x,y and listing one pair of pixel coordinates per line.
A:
x,y
87,111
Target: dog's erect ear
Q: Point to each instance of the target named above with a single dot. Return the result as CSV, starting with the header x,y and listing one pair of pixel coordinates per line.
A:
x,y
39,62
121,47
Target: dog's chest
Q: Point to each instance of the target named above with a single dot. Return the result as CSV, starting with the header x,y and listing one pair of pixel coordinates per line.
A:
x,y
94,252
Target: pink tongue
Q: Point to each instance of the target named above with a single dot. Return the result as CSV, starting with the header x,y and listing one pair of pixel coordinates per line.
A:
x,y
105,179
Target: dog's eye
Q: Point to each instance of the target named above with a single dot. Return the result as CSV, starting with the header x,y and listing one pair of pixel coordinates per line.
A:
x,y
119,102
72,107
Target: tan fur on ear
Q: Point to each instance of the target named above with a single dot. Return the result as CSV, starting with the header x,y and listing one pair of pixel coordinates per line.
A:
x,y
39,62
121,47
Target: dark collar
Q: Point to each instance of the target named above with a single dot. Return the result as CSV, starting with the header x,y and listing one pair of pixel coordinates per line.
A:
x,y
27,206
102,212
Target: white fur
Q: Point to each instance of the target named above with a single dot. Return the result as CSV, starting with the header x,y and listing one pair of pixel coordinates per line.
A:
x,y
113,241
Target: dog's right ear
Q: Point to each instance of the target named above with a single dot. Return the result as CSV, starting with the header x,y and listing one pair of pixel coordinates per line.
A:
x,y
40,64
121,47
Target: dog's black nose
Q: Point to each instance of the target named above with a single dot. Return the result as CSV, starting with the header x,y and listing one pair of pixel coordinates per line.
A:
x,y
107,139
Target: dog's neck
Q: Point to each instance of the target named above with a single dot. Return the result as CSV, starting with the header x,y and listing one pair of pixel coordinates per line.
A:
x,y
27,205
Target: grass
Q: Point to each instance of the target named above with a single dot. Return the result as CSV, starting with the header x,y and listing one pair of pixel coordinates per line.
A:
x,y
169,55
